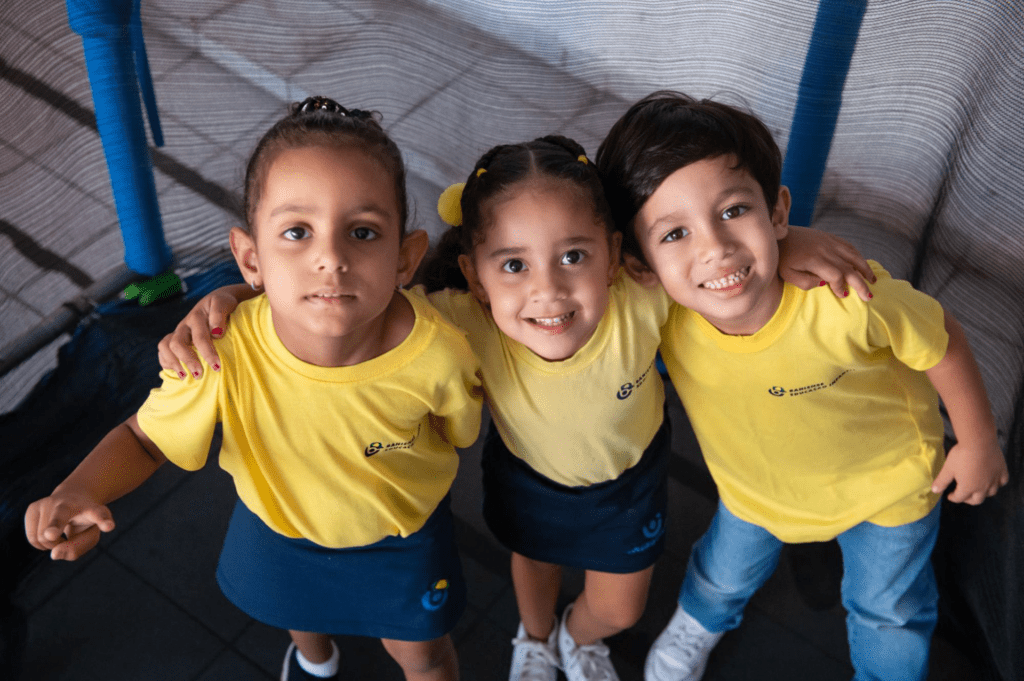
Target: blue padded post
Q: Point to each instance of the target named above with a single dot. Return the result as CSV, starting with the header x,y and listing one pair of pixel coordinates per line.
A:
x,y
106,27
818,101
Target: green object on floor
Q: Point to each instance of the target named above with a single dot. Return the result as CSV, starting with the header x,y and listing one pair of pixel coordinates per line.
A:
x,y
157,288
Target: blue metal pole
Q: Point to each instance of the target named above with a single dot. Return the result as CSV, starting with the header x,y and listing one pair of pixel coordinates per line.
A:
x,y
106,27
818,101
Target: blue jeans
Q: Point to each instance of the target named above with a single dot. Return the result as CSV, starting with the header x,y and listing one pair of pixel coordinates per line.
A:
x,y
889,589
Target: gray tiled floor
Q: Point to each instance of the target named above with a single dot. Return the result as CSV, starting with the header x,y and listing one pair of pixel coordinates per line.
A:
x,y
145,605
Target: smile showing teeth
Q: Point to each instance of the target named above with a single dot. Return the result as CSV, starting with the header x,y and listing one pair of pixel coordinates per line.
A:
x,y
552,321
329,296
727,282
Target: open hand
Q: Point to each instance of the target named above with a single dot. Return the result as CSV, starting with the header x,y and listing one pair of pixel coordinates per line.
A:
x,y
811,257
206,321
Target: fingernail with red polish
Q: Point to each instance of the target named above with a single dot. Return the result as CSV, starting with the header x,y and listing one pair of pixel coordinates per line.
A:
x,y
196,374
216,367
824,283
217,331
871,295
182,375
845,293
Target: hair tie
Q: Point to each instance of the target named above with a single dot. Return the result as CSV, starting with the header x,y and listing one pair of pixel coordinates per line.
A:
x,y
449,205
481,172
312,104
582,158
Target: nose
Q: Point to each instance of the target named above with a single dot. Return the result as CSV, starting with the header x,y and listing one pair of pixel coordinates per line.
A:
x,y
548,284
331,256
714,243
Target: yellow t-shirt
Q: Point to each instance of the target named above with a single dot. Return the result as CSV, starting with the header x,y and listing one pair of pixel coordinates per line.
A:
x,y
583,420
342,456
823,418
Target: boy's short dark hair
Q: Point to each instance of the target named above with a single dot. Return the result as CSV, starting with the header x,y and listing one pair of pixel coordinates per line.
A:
x,y
666,131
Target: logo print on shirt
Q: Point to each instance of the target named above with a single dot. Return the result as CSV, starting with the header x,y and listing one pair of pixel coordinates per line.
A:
x,y
626,389
377,447
803,390
436,597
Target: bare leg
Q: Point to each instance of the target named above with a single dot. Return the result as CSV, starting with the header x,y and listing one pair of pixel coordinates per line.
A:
x,y
425,660
609,604
536,585
314,647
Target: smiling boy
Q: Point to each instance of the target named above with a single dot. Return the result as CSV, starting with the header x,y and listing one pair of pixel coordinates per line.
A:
x,y
817,416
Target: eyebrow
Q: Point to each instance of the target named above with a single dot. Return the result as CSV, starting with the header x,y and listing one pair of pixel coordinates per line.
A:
x,y
517,250
306,210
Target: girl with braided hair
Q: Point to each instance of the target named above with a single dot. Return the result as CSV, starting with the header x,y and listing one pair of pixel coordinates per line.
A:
x,y
341,398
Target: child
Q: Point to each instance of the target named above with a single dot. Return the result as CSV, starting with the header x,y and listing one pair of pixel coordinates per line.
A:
x,y
817,415
574,465
341,397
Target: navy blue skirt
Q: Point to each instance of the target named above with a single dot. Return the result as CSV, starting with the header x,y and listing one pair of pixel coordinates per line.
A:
x,y
408,589
615,526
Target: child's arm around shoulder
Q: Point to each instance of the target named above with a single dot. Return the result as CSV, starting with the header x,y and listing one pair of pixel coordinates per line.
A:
x,y
204,322
460,387
69,521
975,462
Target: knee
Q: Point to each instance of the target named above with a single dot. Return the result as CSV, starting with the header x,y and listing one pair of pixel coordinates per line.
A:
x,y
617,614
421,657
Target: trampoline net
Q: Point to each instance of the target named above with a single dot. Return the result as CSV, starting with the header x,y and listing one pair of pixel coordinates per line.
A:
x,y
925,172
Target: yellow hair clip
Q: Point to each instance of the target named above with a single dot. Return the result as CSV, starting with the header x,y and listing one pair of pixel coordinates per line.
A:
x,y
582,158
449,205
481,172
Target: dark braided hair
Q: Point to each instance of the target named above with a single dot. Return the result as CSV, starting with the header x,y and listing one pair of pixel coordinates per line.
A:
x,y
505,166
319,121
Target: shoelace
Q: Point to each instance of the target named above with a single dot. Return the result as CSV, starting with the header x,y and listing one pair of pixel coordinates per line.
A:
x,y
593,662
682,647
538,655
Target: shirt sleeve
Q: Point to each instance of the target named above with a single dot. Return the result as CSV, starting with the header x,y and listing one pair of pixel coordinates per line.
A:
x,y
462,400
180,417
910,322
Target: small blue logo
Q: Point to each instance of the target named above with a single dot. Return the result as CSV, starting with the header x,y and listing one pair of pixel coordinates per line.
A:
x,y
777,391
373,448
655,527
437,596
625,391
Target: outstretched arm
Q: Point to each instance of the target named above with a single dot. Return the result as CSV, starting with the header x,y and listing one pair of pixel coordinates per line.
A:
x,y
811,257
69,521
975,462
206,321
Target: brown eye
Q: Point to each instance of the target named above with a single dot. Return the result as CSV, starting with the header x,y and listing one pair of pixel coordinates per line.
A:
x,y
363,234
514,266
572,257
295,233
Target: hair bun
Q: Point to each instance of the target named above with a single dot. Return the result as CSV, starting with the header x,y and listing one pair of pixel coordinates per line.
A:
x,y
320,103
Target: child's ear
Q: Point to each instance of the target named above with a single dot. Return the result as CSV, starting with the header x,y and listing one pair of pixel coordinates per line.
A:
x,y
641,273
243,247
473,279
780,216
414,246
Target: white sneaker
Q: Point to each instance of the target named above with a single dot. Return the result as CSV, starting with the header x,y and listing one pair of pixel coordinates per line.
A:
x,y
583,663
681,651
534,660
